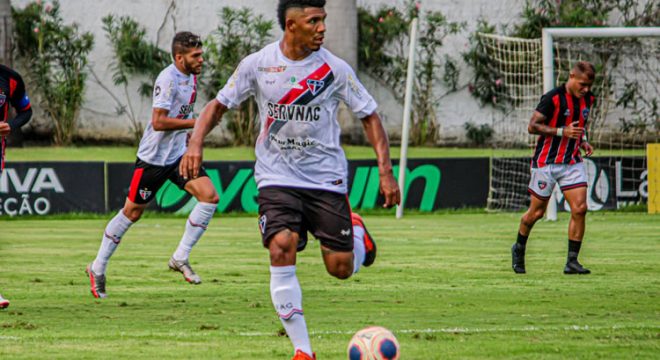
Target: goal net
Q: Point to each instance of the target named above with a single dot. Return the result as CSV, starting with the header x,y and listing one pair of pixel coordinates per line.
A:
x,y
624,119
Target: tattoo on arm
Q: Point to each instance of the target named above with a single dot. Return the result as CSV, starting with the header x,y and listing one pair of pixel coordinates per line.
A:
x,y
537,125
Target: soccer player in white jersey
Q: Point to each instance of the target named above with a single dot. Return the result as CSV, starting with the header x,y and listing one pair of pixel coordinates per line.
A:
x,y
301,169
161,148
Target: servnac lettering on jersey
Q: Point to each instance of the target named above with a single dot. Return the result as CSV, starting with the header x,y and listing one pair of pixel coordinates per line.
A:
x,y
283,112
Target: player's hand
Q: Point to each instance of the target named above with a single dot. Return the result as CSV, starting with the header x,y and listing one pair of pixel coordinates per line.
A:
x,y
588,149
191,162
573,131
390,189
5,129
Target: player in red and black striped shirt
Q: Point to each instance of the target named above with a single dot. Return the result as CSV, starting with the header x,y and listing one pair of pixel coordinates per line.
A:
x,y
560,120
12,92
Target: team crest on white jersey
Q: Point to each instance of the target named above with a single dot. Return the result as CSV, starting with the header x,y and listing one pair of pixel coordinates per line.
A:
x,y
144,194
315,85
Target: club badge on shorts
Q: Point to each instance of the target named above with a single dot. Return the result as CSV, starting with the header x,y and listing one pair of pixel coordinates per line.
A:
x,y
542,184
145,194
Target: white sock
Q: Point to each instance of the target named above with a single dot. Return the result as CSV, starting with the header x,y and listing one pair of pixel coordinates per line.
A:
x,y
199,219
359,251
112,235
287,298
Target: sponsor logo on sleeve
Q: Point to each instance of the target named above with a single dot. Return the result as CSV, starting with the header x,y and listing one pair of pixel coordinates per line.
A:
x,y
354,86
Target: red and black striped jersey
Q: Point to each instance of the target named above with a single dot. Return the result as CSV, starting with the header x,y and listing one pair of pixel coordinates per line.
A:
x,y
12,92
560,109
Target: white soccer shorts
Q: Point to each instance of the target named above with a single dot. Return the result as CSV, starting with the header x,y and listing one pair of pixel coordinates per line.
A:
x,y
567,176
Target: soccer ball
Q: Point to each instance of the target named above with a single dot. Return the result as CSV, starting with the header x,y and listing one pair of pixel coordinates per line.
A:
x,y
373,343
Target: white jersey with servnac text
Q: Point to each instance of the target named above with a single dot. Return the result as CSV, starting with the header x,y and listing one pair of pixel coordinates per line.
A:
x,y
298,144
175,92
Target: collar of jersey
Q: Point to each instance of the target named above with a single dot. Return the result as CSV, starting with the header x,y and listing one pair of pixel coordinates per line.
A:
x,y
285,59
179,73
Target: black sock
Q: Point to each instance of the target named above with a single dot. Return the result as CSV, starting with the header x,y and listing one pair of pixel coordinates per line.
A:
x,y
573,249
522,240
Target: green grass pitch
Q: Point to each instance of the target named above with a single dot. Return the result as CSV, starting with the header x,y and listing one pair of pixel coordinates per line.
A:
x,y
441,282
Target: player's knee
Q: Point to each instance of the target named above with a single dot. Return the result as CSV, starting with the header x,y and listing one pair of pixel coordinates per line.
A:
x,y
282,247
213,198
342,271
532,216
579,209
538,214
210,196
133,214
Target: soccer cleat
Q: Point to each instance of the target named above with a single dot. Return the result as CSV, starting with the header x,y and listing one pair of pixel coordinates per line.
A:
x,y
369,243
518,258
184,268
4,303
574,267
97,283
300,355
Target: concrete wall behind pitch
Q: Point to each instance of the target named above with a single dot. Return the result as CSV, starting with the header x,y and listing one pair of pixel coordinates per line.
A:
x,y
163,18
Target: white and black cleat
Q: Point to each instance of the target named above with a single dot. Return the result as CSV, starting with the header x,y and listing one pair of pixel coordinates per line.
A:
x,y
184,268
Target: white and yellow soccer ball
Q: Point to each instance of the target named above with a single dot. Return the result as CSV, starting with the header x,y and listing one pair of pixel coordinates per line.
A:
x,y
373,343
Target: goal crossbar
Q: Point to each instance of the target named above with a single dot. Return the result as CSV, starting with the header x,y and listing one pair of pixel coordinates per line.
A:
x,y
549,34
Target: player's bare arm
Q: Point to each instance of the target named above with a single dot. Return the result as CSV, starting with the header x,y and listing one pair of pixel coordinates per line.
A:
x,y
537,126
208,119
377,136
161,122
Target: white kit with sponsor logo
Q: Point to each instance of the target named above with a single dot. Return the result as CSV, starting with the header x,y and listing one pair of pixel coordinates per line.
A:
x,y
176,92
298,143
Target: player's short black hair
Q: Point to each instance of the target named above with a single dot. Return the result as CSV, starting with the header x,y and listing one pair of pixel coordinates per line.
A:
x,y
284,5
184,41
585,68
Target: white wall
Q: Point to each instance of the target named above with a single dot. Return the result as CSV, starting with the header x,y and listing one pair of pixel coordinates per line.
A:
x,y
163,18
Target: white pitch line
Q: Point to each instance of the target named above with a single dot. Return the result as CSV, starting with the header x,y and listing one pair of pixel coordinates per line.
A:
x,y
9,337
461,330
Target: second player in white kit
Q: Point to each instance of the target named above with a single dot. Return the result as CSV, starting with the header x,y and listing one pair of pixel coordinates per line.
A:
x,y
159,153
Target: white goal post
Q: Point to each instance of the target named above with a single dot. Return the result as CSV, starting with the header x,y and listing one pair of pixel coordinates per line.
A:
x,y
547,40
